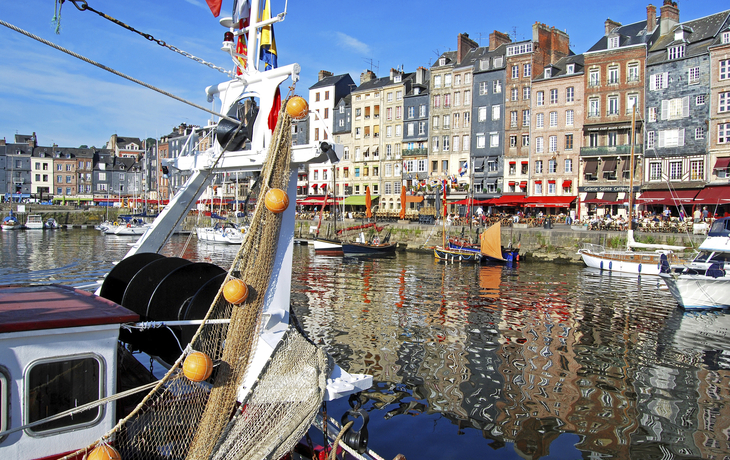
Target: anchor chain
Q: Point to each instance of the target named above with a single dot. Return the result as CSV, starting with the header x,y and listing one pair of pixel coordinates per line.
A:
x,y
82,5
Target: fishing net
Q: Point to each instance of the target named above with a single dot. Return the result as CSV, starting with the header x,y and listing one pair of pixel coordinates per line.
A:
x,y
182,419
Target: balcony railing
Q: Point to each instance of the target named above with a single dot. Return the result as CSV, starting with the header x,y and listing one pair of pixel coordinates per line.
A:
x,y
415,152
611,150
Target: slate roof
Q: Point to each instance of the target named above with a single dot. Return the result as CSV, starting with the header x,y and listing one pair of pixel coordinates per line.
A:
x,y
331,81
450,59
560,67
631,34
381,82
698,35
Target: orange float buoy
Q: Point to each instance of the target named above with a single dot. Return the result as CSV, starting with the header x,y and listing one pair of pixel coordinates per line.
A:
x,y
197,366
235,291
297,108
104,452
276,200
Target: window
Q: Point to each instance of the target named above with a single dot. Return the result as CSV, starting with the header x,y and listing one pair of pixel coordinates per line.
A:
x,y
553,146
569,117
521,48
570,69
447,121
437,80
526,117
482,113
652,114
569,94
697,170
55,386
514,94
540,98
632,100
466,117
497,86
483,88
693,76
568,165
553,96
513,119
465,142
437,101
594,77
435,122
613,75
700,99
612,139
515,71
538,146
538,188
568,143
525,92
540,120
525,140
723,133
455,143
456,120
538,166
725,37
723,102
671,138
675,170
457,98
494,139
492,166
613,42
496,112
467,97
481,140
551,187
724,73
435,143
655,171
527,68
613,105
447,81
659,81
632,72
675,52
513,141
650,139
594,107
699,133
553,119
674,109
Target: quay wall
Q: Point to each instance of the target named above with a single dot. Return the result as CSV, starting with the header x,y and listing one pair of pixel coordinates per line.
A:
x,y
558,244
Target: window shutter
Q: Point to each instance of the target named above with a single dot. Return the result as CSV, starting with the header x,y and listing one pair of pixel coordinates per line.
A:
x,y
660,139
680,137
665,109
652,82
665,80
685,106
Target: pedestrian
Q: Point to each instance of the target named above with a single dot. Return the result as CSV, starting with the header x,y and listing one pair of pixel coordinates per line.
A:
x,y
697,215
704,214
681,215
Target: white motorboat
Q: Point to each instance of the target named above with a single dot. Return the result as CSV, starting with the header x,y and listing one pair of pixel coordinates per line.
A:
x,y
259,394
705,282
51,224
221,232
629,260
34,222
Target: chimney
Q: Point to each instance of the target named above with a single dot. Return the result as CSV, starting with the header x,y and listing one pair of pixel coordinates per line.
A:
x,y
669,16
610,25
464,45
324,74
2,142
367,76
650,18
420,75
33,141
497,39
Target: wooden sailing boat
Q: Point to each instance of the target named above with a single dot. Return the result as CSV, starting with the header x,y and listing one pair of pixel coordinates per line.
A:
x,y
628,260
330,246
448,253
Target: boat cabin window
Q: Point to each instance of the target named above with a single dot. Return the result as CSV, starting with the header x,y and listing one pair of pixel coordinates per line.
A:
x,y
721,257
4,401
58,385
702,256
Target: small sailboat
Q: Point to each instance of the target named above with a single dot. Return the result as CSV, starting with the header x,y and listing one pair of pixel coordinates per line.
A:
x,y
11,222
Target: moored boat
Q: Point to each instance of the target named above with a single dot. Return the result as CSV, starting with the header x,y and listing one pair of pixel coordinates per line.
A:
x,y
704,282
34,222
374,247
51,224
221,232
11,223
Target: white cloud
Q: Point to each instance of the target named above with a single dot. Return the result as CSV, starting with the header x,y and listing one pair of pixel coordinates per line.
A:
x,y
352,43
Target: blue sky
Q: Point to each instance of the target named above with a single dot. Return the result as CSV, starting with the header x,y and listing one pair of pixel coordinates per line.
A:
x,y
69,102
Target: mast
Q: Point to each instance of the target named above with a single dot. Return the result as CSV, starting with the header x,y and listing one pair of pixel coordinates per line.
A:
x,y
632,141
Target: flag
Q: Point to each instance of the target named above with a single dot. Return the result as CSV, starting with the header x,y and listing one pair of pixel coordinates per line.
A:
x,y
242,50
241,12
463,168
444,185
215,6
274,113
268,42
405,166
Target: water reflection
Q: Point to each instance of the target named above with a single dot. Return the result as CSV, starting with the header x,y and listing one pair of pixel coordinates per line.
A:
x,y
530,361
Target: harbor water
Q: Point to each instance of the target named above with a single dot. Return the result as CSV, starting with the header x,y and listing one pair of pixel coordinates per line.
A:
x,y
533,360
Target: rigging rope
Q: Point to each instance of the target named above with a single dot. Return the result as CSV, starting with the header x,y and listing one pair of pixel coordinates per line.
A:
x,y
82,5
115,72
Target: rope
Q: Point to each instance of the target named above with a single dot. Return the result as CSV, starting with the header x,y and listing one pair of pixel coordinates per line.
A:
x,y
115,72
333,452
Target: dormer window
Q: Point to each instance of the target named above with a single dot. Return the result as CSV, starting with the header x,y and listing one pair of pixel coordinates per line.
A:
x,y
442,61
613,42
397,78
548,72
570,69
675,52
726,37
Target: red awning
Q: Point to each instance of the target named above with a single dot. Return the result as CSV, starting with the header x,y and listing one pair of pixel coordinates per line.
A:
x,y
538,182
524,162
318,201
667,197
551,181
523,184
413,199
513,162
722,163
509,200
718,194
511,182
567,183
549,201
